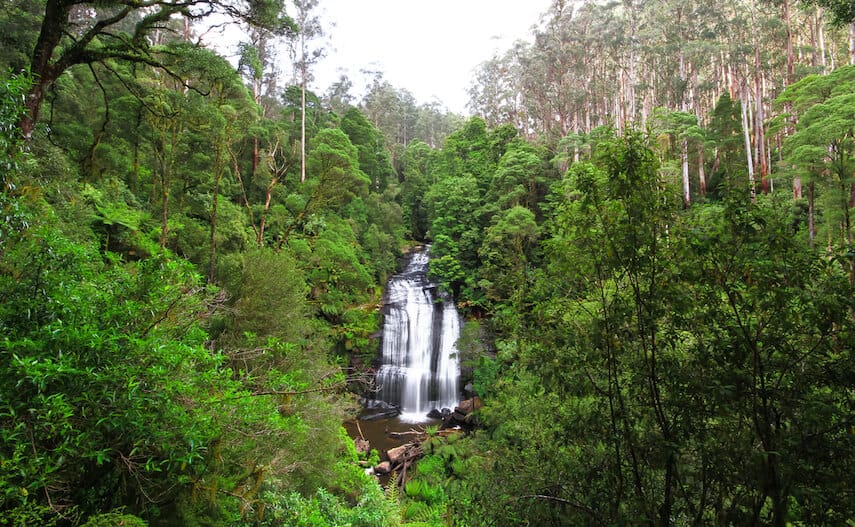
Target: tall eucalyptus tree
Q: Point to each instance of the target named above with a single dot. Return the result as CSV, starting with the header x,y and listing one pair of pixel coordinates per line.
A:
x,y
309,28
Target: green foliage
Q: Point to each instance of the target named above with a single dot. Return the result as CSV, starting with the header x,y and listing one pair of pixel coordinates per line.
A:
x,y
518,180
114,519
113,392
416,166
842,11
270,300
725,131
506,251
110,395
13,88
100,357
323,509
454,203
336,178
667,343
334,271
822,148
369,142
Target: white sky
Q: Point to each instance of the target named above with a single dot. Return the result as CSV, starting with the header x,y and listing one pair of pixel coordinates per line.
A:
x,y
429,47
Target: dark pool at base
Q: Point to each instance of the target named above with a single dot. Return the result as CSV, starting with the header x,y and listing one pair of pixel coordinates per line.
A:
x,y
376,431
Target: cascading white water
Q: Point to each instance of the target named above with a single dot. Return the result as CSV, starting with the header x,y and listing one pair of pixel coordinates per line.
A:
x,y
420,369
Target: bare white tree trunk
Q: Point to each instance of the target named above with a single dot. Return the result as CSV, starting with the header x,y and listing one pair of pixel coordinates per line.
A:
x,y
821,36
303,122
633,57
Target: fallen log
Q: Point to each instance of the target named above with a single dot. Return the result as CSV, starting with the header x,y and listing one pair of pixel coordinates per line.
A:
x,y
397,454
409,433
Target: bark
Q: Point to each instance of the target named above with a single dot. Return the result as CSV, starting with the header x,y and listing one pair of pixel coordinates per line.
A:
x,y
633,56
852,43
813,23
303,122
218,174
821,37
759,137
165,184
684,158
747,137
164,224
797,181
759,133
43,71
785,14
303,74
237,172
811,214
256,95
696,100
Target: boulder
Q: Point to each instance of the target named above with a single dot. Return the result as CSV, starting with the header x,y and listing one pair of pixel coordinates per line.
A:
x,y
469,405
362,446
435,414
383,468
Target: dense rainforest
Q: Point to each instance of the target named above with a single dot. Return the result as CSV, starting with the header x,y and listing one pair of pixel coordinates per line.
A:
x,y
645,221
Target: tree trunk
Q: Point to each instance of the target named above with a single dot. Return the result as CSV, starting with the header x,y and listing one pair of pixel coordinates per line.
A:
x,y
852,43
759,138
633,56
41,69
303,67
684,161
255,158
303,128
811,214
135,172
797,188
218,173
759,134
785,14
791,60
820,30
747,137
164,197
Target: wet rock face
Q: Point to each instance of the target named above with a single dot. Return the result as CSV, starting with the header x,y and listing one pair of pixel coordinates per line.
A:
x,y
373,410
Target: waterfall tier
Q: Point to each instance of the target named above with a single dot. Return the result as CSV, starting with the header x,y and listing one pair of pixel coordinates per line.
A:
x,y
420,369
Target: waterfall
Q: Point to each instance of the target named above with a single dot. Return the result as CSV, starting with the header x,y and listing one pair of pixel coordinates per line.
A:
x,y
420,369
